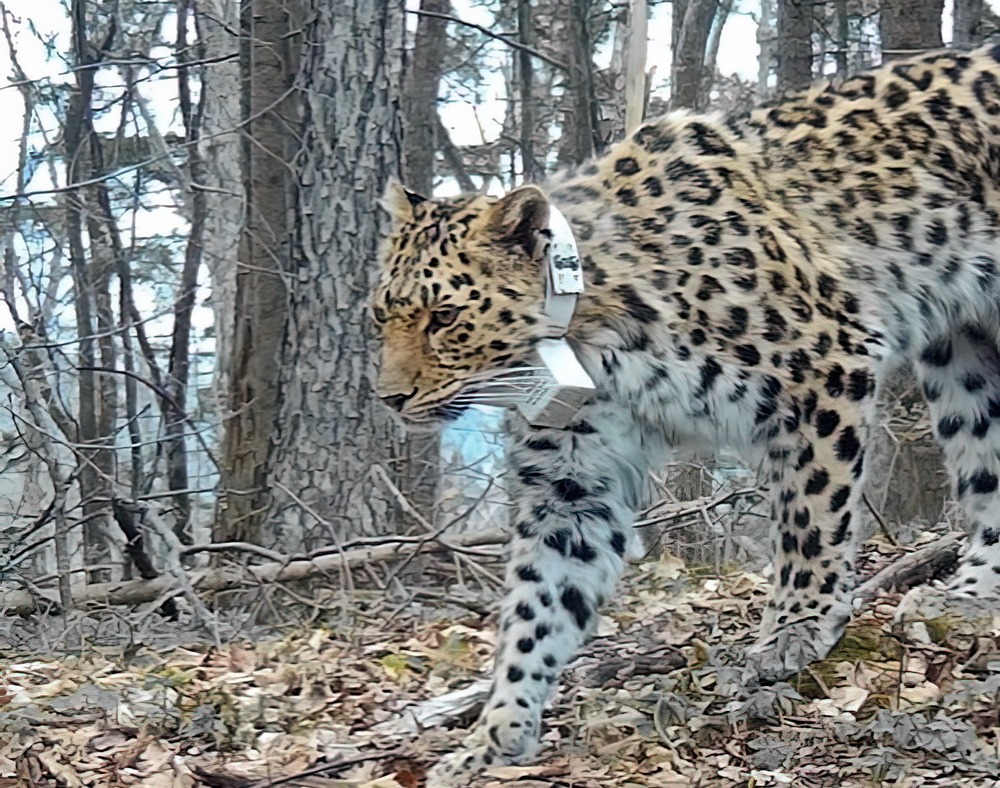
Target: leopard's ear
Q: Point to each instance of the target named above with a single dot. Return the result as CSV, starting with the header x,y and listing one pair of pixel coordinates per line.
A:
x,y
519,216
399,202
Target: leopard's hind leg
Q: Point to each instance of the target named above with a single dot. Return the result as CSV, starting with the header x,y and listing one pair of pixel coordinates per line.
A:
x,y
816,474
960,375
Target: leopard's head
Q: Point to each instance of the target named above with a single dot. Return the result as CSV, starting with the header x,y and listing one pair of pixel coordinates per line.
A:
x,y
460,296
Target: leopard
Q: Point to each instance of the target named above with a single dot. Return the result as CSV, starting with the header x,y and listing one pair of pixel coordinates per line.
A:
x,y
750,283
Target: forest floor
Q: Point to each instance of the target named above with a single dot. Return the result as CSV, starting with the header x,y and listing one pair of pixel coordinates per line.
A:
x,y
349,703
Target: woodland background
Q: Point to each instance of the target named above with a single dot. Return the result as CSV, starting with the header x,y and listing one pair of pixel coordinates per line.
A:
x,y
190,448
190,229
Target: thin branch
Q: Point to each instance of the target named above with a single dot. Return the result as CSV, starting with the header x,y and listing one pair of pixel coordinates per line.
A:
x,y
496,36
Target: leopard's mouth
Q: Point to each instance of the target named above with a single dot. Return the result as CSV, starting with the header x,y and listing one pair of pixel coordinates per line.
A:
x,y
448,413
435,417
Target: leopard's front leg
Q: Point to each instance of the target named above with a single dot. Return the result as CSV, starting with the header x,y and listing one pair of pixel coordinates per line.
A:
x,y
573,493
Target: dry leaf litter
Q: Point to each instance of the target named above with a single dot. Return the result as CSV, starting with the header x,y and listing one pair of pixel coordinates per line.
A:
x,y
656,699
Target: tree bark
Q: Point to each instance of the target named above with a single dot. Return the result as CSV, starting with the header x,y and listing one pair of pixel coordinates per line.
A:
x,y
421,143
725,8
179,363
635,65
767,45
218,26
586,111
421,96
91,279
268,64
794,45
331,428
842,42
967,30
526,82
909,26
692,25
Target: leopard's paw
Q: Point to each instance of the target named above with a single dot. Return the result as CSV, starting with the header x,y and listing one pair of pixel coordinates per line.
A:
x,y
461,769
504,736
791,647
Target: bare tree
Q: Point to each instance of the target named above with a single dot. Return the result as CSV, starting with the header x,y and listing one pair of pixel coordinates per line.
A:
x,y
794,46
268,63
767,41
421,96
967,29
841,41
909,26
223,195
526,84
635,65
581,128
692,25
332,434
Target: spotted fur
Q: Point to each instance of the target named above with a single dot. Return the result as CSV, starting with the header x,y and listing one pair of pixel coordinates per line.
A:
x,y
749,282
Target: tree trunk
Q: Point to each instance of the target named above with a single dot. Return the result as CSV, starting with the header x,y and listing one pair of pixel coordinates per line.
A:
x,y
712,48
179,363
692,24
421,96
967,30
767,44
794,45
635,65
224,194
91,292
909,26
331,428
842,43
581,128
268,64
526,83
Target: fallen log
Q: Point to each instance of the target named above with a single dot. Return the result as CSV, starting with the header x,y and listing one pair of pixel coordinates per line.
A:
x,y
134,592
913,569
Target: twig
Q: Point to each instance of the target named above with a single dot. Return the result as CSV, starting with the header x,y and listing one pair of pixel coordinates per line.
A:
x,y
490,34
675,511
346,578
883,527
322,768
246,547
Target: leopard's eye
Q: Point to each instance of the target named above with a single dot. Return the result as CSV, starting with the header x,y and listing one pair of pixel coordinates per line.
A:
x,y
443,317
379,317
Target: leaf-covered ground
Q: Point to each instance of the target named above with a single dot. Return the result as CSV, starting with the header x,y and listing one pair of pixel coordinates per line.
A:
x,y
349,705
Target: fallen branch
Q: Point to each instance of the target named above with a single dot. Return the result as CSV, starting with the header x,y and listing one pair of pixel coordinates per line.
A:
x,y
913,569
135,548
133,592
